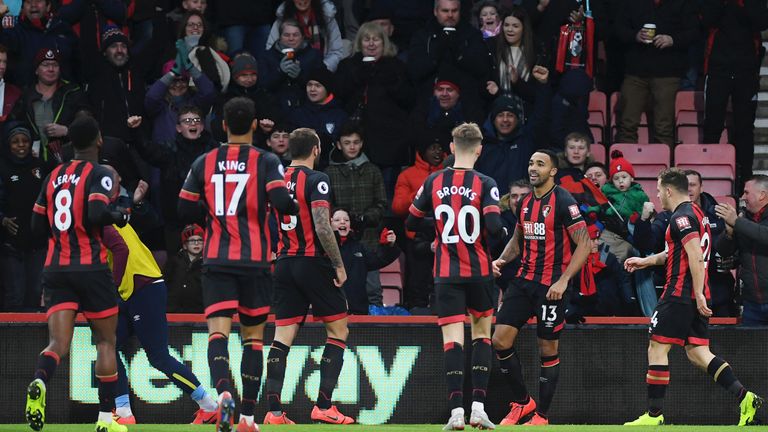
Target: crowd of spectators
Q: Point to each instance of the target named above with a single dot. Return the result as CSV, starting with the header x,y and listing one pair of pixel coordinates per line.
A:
x,y
382,82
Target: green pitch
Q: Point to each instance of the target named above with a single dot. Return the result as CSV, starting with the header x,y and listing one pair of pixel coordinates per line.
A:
x,y
389,428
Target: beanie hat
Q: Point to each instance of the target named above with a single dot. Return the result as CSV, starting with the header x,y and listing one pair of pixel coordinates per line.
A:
x,y
191,230
47,54
426,137
448,75
13,128
324,77
511,104
242,64
113,35
619,164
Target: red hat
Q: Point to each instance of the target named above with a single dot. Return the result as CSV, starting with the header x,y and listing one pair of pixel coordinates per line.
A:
x,y
619,164
594,231
191,230
47,54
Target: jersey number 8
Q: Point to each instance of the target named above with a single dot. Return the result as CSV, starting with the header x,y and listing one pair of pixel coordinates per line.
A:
x,y
464,213
62,218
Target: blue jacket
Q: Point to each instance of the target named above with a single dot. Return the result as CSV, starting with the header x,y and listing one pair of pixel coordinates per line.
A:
x,y
326,120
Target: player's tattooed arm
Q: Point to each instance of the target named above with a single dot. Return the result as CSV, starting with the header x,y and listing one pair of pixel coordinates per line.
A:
x,y
581,237
512,249
322,220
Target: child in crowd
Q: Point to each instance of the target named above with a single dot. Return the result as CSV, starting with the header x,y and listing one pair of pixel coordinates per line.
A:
x,y
183,272
627,198
358,261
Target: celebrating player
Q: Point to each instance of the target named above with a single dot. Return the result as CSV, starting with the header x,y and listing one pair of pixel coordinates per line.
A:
x,y
144,296
549,223
457,197
309,271
682,315
236,182
72,208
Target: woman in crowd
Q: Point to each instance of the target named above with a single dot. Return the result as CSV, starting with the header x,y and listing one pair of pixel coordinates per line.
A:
x,y
318,25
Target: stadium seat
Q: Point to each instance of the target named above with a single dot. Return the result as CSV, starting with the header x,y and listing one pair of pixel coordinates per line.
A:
x,y
391,296
689,102
727,199
692,134
649,186
713,161
647,159
598,134
643,134
394,267
689,118
392,280
598,152
598,109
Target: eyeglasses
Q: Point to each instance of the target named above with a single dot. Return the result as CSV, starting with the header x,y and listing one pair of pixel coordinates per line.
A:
x,y
194,25
194,120
195,241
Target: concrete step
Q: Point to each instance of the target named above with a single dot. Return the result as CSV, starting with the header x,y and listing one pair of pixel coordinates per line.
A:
x,y
761,136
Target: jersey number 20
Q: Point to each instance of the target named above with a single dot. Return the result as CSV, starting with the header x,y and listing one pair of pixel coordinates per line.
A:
x,y
219,194
464,213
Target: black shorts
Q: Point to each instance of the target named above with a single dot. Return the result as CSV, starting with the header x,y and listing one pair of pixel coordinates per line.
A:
x,y
454,299
303,281
524,299
679,324
91,292
227,290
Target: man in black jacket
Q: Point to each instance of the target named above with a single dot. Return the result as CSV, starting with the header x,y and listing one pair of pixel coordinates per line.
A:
x,y
654,63
732,66
117,92
449,42
748,233
21,256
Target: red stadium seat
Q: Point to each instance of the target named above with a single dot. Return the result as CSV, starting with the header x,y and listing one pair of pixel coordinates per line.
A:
x,y
691,101
691,134
647,159
598,134
713,161
598,152
391,296
690,118
727,199
391,280
649,186
394,267
598,109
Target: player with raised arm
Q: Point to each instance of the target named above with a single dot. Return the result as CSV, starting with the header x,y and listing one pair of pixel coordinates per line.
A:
x,y
465,205
236,183
549,225
72,208
682,315
308,271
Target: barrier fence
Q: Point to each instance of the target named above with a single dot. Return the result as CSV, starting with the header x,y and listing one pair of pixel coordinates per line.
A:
x,y
393,373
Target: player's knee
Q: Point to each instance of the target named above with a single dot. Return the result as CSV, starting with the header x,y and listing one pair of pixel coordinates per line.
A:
x,y
548,348
500,343
340,332
61,349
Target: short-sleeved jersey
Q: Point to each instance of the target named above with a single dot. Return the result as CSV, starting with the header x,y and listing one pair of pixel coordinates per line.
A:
x,y
233,181
546,224
74,244
459,199
687,222
297,233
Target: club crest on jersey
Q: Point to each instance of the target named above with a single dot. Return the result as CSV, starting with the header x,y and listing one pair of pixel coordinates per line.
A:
x,y
330,127
573,209
682,222
546,210
36,173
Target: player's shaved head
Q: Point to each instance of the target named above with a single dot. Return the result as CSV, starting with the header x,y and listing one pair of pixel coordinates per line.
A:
x,y
466,137
675,179
239,114
553,158
301,142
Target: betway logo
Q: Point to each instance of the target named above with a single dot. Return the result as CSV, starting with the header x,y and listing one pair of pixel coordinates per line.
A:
x,y
153,387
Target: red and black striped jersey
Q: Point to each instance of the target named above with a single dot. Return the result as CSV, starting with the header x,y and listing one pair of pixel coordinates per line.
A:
x,y
233,182
311,189
546,224
687,223
75,244
458,198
